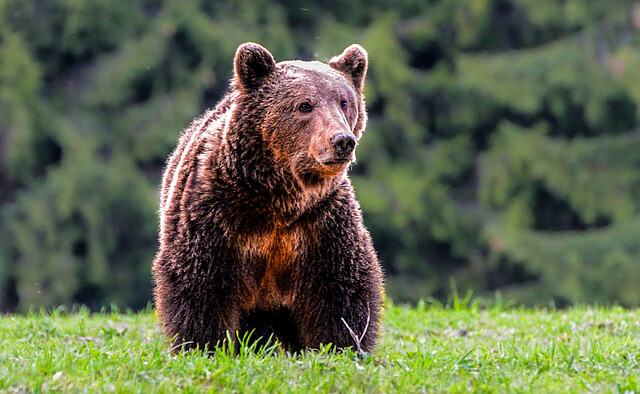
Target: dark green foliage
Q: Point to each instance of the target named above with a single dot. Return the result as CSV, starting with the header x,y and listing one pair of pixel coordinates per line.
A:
x,y
502,148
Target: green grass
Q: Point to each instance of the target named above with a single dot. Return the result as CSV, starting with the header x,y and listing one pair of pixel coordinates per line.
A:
x,y
429,348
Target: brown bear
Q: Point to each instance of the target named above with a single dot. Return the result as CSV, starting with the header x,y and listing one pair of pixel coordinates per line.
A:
x,y
259,225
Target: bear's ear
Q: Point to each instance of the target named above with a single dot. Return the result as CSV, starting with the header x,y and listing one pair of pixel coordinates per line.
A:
x,y
253,63
352,62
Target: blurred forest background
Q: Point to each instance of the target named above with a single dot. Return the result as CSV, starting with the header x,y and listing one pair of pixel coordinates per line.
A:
x,y
503,148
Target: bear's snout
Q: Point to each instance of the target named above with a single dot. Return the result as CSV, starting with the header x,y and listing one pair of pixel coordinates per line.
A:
x,y
343,144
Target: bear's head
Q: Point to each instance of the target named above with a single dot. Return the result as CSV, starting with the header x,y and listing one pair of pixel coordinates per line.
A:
x,y
309,115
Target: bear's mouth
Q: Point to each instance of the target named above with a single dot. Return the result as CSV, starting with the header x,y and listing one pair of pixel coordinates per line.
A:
x,y
337,162
334,166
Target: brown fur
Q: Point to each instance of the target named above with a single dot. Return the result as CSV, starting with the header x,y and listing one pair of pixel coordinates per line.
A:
x,y
259,226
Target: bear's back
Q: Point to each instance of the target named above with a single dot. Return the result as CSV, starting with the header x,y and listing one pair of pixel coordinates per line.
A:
x,y
201,135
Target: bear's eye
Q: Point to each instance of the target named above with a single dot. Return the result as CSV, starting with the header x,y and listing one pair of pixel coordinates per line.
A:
x,y
305,107
343,104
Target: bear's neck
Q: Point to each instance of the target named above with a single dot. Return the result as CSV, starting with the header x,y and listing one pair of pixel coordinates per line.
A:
x,y
265,193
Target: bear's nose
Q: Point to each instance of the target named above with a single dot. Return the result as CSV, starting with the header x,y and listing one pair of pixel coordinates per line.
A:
x,y
343,143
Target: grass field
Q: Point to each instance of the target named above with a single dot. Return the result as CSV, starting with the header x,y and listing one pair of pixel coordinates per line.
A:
x,y
431,348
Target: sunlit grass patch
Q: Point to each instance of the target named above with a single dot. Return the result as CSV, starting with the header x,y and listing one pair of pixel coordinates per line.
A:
x,y
429,347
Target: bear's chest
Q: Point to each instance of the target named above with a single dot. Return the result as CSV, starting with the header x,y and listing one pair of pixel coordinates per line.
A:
x,y
272,257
